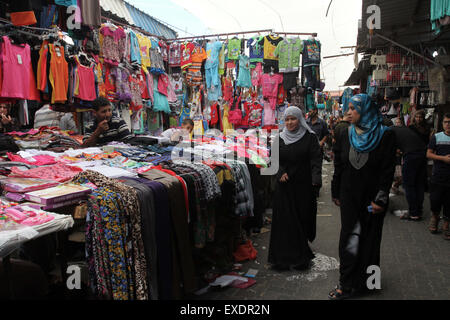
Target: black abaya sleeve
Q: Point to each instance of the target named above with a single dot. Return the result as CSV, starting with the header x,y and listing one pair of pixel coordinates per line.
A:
x,y
338,166
387,168
316,162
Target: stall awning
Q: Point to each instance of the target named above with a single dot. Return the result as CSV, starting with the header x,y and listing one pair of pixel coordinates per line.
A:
x,y
138,18
404,21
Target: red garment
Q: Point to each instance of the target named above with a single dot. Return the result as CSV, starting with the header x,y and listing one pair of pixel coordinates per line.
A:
x,y
144,87
163,84
253,114
110,87
245,252
214,115
227,90
86,77
186,55
282,95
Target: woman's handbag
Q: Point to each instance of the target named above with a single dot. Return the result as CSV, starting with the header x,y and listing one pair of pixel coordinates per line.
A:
x,y
378,58
379,73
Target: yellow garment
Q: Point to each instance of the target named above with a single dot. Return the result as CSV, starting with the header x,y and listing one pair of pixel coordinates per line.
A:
x,y
225,122
269,48
224,174
145,44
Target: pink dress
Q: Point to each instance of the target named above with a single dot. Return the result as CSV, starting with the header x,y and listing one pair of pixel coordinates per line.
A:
x,y
16,69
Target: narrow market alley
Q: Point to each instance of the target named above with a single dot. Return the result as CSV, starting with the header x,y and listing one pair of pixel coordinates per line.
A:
x,y
414,263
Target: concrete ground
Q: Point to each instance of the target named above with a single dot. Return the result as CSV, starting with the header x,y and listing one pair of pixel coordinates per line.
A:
x,y
415,265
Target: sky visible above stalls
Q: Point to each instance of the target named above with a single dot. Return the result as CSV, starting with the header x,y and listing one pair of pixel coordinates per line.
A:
x,y
339,28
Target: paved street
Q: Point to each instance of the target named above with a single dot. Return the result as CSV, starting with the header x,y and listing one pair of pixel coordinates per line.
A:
x,y
414,263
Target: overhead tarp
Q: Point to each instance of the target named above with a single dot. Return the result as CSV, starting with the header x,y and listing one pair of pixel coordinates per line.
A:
x,y
138,18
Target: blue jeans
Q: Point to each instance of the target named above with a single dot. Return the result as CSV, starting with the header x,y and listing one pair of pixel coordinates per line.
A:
x,y
414,173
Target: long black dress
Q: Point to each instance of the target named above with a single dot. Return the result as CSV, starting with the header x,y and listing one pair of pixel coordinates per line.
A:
x,y
294,202
356,189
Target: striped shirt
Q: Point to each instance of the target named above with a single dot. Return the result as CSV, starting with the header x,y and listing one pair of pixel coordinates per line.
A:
x,y
118,131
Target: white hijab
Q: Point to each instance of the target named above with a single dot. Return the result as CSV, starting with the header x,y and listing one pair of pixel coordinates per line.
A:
x,y
290,137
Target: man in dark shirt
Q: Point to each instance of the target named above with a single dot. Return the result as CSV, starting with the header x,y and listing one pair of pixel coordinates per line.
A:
x,y
318,125
105,127
414,170
341,126
439,152
320,128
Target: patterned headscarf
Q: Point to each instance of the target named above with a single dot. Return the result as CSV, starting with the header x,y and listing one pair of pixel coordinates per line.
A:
x,y
370,127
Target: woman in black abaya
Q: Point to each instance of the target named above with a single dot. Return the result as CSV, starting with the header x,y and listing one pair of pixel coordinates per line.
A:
x,y
294,202
364,171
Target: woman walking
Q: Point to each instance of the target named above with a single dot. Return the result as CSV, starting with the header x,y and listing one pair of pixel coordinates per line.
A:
x,y
364,171
294,203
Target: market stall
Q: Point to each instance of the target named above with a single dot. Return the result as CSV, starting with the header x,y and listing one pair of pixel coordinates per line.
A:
x,y
157,215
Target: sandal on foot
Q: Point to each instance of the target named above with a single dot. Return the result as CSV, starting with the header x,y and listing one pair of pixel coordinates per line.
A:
x,y
434,222
339,294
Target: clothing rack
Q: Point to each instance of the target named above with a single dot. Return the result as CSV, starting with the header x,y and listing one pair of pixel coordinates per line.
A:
x,y
314,34
219,35
245,32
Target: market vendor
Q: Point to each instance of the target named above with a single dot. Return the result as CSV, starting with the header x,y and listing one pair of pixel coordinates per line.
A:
x,y
105,128
175,134
7,123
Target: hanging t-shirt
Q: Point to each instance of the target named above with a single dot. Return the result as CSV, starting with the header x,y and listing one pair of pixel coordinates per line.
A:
x,y
175,54
212,52
257,73
244,78
270,84
194,75
256,49
270,43
145,44
288,51
311,53
135,50
253,114
234,49
186,52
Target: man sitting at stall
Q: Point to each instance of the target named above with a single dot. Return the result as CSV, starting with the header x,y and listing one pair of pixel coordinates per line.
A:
x,y
105,128
175,134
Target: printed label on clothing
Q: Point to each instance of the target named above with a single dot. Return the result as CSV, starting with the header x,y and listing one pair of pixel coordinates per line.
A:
x,y
19,59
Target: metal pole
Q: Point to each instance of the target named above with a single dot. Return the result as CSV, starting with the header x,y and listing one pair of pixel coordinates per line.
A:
x,y
221,34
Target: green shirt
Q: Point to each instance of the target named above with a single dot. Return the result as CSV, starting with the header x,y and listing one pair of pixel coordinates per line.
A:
x,y
234,49
289,52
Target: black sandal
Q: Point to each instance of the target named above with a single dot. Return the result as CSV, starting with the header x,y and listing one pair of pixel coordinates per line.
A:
x,y
336,295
